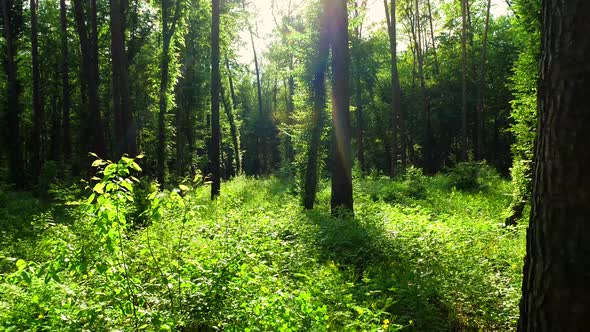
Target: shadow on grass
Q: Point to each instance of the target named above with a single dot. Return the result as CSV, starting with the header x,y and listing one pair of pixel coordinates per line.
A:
x,y
369,256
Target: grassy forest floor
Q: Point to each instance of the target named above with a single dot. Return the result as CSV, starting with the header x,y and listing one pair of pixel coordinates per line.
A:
x,y
419,255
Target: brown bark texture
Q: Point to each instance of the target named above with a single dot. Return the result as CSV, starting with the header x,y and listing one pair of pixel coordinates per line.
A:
x,y
556,295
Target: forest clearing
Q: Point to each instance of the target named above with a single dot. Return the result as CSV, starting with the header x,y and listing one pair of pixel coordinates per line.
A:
x,y
282,165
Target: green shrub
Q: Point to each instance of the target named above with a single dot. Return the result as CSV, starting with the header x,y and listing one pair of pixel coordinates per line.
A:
x,y
472,176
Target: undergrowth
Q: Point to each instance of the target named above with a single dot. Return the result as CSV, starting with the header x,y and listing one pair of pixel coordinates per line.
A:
x,y
422,253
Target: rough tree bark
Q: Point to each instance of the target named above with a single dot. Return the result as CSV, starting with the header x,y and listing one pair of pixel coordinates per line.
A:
x,y
556,296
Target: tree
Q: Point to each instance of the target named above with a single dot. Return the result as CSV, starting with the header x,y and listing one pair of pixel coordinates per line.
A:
x,y
464,144
65,102
557,264
231,118
479,125
12,26
341,198
125,136
319,105
87,28
169,23
214,149
396,92
37,105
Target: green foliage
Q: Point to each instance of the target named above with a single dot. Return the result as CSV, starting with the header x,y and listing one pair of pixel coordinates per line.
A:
x,y
431,258
471,176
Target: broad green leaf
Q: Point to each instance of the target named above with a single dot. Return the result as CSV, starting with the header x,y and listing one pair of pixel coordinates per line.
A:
x,y
99,188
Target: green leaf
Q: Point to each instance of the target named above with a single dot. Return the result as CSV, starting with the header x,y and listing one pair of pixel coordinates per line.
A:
x,y
21,264
90,198
97,163
99,188
183,187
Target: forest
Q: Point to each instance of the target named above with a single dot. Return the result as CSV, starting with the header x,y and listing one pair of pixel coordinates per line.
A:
x,y
282,165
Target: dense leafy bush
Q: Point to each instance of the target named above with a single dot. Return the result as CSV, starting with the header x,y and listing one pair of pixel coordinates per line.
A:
x,y
472,176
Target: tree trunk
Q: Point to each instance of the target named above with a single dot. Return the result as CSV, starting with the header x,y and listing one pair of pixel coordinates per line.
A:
x,y
125,137
65,84
261,146
37,105
232,123
359,95
396,93
319,104
88,35
436,66
464,144
214,157
479,126
9,12
428,160
555,289
168,27
341,199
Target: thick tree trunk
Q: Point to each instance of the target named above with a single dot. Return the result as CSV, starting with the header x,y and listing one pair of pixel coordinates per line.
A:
x,y
479,126
125,136
17,171
556,296
37,105
65,84
341,199
214,158
319,105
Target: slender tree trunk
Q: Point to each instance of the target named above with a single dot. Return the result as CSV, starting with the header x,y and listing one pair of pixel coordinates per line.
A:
x,y
436,66
168,27
261,146
65,84
232,122
88,35
214,158
290,108
396,93
37,105
125,137
14,108
464,146
555,289
319,105
428,160
359,95
341,199
479,153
